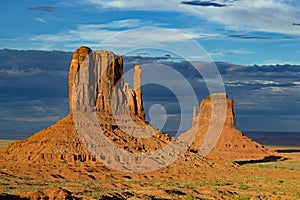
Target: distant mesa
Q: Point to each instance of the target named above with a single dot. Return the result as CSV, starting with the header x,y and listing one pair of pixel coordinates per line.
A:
x,y
60,143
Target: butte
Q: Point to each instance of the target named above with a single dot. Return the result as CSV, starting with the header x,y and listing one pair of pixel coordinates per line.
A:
x,y
60,149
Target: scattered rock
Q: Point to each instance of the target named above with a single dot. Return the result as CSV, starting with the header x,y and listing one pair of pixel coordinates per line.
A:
x,y
50,194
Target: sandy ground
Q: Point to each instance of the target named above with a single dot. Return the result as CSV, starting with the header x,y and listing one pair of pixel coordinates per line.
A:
x,y
261,180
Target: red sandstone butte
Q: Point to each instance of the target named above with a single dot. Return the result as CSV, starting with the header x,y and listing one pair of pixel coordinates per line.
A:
x,y
60,143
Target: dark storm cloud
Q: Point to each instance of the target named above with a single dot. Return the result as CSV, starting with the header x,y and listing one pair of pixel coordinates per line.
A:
x,y
257,37
32,59
43,8
203,3
250,37
266,91
146,58
34,90
34,84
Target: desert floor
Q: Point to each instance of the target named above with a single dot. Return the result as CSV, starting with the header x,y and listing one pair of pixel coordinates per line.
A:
x,y
262,180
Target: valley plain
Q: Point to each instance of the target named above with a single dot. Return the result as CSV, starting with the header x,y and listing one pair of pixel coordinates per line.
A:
x,y
263,180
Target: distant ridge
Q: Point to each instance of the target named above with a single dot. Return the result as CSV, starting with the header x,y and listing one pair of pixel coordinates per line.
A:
x,y
275,138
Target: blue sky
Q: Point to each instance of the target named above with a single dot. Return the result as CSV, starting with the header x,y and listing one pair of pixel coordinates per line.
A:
x,y
241,32
237,31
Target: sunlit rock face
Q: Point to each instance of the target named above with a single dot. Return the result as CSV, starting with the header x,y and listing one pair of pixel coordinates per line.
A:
x,y
106,91
206,116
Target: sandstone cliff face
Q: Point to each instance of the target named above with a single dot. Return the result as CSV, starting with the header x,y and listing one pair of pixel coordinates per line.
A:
x,y
105,69
78,57
205,117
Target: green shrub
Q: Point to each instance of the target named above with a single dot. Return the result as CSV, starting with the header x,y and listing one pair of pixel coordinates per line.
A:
x,y
188,198
242,198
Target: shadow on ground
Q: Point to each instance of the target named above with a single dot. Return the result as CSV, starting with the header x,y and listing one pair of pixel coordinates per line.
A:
x,y
11,197
264,160
288,151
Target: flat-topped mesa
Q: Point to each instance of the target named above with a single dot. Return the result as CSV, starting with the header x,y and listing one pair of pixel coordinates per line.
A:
x,y
231,144
105,90
205,112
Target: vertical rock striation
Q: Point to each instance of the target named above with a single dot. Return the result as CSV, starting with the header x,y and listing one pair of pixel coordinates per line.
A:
x,y
206,105
104,70
137,88
78,58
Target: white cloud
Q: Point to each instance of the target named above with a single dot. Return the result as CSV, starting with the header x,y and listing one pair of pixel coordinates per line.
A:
x,y
297,83
15,72
136,5
230,52
275,16
39,108
126,23
255,15
93,35
253,82
287,91
277,61
40,20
